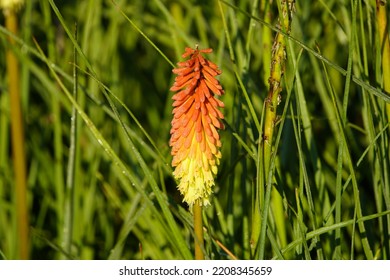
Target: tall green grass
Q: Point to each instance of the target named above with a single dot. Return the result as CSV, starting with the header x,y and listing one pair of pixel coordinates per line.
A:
x,y
100,185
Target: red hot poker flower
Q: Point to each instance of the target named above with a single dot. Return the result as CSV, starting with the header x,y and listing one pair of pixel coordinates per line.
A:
x,y
196,119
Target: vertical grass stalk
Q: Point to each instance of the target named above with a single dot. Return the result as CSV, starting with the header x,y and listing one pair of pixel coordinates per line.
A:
x,y
271,103
275,80
70,179
18,140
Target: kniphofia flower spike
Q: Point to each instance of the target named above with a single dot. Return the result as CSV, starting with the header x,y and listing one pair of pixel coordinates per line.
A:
x,y
194,139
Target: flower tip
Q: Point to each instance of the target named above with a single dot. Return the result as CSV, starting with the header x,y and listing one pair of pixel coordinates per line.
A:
x,y
208,50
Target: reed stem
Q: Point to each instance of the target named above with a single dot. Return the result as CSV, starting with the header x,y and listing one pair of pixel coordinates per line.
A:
x,y
17,134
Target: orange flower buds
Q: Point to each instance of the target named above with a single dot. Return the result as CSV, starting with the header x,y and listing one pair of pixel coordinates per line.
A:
x,y
196,119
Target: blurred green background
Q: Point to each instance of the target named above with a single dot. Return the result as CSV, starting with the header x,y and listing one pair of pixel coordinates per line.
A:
x,y
116,210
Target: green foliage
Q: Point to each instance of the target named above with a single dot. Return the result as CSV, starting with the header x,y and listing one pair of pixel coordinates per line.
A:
x,y
330,155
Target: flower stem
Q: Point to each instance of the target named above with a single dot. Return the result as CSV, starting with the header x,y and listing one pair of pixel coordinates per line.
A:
x,y
198,227
19,160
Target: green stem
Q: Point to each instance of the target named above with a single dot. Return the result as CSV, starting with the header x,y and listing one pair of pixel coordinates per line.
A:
x,y
273,98
198,228
70,179
19,157
271,103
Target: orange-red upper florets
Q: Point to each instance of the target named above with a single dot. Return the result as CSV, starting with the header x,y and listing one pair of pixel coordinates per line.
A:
x,y
196,119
